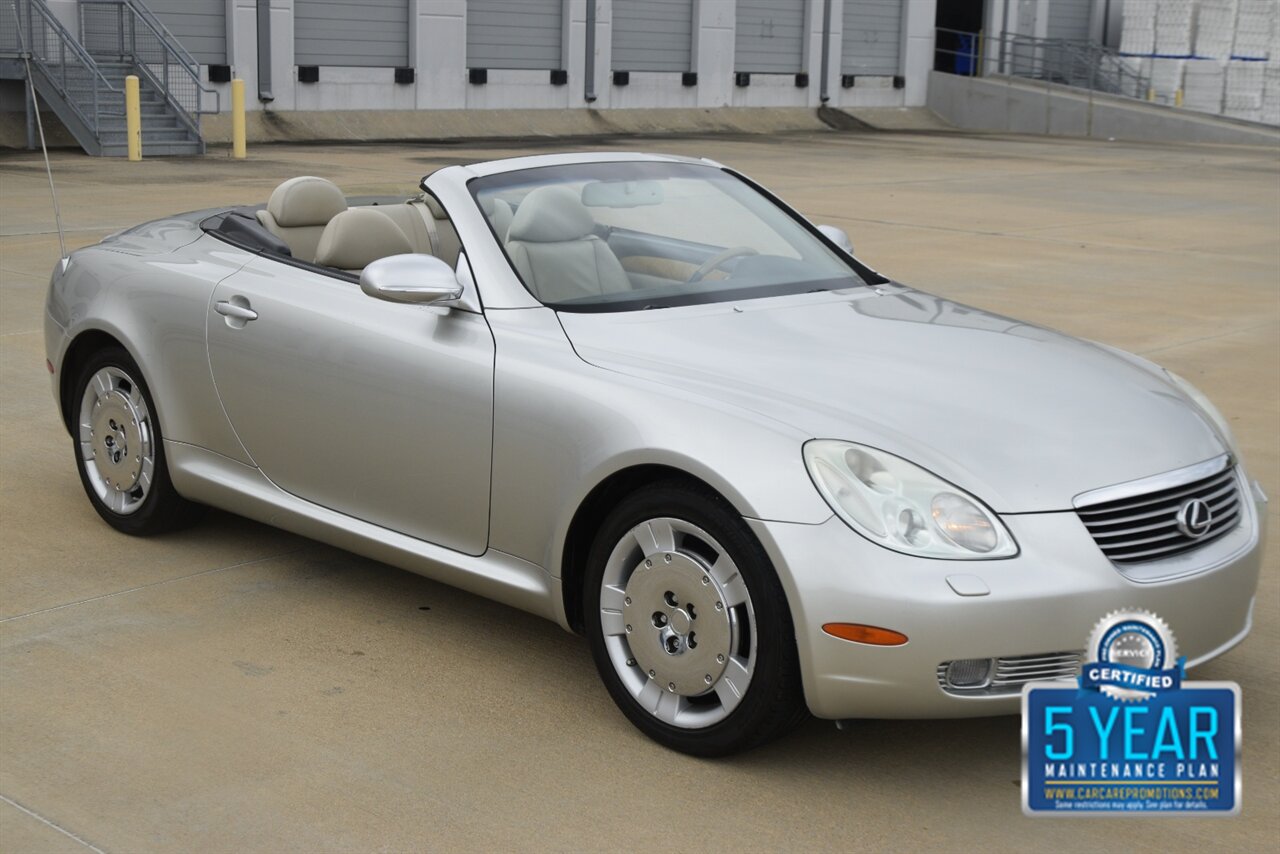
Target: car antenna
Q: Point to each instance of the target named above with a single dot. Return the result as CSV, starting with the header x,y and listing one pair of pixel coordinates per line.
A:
x,y
26,59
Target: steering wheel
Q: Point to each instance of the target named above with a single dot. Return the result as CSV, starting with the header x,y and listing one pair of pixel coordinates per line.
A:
x,y
716,260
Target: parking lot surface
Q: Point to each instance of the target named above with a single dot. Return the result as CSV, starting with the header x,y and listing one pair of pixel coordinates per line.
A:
x,y
238,688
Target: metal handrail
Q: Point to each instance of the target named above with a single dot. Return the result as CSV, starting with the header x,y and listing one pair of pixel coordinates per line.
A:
x,y
179,111
64,37
1082,64
162,32
40,53
173,55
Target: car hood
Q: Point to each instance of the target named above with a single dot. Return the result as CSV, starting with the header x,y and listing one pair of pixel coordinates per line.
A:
x,y
1024,417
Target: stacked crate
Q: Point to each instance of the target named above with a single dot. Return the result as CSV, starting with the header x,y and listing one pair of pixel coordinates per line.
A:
x,y
1273,52
1221,56
1166,78
1203,85
1247,73
1138,33
1271,76
1244,90
1173,27
1215,29
1271,93
1255,22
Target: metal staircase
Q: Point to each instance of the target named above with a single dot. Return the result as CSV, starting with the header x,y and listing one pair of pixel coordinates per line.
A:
x,y
1082,64
1085,65
82,79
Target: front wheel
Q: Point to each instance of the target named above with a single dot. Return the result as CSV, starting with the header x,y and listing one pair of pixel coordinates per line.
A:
x,y
688,624
120,450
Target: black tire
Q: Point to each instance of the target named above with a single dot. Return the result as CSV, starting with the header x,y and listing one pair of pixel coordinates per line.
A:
x,y
773,701
160,509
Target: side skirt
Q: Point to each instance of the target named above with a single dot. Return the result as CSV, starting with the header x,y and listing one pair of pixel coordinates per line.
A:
x,y
210,478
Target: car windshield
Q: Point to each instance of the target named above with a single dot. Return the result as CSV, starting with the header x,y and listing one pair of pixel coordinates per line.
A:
x,y
636,235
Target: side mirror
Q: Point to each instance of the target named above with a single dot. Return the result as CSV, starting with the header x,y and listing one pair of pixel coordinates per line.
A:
x,y
837,236
418,279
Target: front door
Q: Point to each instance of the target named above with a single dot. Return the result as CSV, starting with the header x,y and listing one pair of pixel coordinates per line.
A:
x,y
378,410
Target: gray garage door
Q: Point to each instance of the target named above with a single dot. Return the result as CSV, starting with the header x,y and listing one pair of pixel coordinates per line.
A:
x,y
514,33
770,36
372,33
199,25
872,37
652,35
1069,19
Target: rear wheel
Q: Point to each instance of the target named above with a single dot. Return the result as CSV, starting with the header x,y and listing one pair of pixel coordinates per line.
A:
x,y
120,449
689,625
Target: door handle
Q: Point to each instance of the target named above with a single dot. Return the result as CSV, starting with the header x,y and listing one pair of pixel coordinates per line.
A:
x,y
239,312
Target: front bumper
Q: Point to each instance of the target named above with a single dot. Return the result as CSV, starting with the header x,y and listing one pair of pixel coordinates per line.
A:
x,y
1045,600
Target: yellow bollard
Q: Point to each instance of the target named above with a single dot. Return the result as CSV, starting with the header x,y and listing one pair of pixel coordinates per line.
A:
x,y
237,119
1177,98
132,117
1151,94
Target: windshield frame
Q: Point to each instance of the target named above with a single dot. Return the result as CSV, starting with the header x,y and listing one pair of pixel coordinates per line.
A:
x,y
861,274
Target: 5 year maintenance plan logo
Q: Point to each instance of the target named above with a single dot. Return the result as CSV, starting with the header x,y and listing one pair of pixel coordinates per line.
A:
x,y
1133,737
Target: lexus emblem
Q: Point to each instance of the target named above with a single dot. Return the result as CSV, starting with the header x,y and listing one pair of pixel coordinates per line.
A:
x,y
1194,518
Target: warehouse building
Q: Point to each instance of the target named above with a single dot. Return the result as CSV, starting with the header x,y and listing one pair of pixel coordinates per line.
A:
x,y
308,62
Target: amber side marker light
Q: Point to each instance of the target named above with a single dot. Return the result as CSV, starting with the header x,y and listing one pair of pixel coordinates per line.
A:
x,y
858,633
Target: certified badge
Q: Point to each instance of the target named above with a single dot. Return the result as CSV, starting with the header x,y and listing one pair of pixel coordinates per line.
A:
x,y
1131,655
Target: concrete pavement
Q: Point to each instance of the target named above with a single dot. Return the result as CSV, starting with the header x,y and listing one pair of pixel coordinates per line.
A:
x,y
234,687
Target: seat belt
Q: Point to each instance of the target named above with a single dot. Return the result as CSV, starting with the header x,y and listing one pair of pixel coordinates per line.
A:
x,y
429,221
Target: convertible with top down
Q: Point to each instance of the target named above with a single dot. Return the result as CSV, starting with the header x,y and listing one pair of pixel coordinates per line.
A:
x,y
643,397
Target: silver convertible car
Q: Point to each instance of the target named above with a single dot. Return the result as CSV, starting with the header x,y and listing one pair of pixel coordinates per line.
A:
x,y
641,396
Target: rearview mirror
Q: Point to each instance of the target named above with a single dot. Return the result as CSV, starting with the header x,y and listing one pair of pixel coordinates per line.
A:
x,y
837,236
410,278
622,194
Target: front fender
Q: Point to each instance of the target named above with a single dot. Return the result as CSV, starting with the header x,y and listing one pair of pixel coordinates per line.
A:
x,y
587,423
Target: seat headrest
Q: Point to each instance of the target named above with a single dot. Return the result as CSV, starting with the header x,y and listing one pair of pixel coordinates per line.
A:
x,y
551,215
357,237
305,201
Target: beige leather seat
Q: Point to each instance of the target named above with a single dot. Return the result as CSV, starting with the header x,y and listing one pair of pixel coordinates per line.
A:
x,y
409,217
555,252
499,214
298,211
426,226
357,237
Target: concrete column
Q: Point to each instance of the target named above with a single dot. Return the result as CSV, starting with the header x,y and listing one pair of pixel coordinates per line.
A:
x,y
1112,16
575,51
918,21
835,46
1032,18
1042,19
438,53
284,77
993,26
713,50
603,57
242,49
813,51
1097,20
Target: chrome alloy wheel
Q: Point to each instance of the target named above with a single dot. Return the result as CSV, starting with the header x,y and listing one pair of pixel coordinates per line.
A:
x,y
115,439
678,623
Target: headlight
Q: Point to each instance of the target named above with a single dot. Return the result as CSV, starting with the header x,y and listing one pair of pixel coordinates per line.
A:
x,y
1210,411
901,506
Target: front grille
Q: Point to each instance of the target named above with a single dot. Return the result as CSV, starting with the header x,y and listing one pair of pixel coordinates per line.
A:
x,y
1012,672
1144,527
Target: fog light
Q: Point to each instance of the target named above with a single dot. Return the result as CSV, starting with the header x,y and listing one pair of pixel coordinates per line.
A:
x,y
969,673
